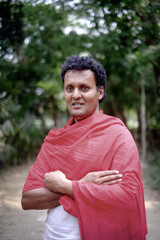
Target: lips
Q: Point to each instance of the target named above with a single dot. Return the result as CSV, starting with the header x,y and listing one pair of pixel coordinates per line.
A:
x,y
77,104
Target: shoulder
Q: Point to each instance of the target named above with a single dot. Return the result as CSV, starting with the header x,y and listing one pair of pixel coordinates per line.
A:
x,y
114,123
58,132
53,133
118,129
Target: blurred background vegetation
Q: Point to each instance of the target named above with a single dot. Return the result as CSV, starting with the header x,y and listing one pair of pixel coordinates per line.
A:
x,y
35,39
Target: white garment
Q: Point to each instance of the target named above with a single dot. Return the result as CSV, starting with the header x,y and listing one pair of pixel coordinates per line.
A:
x,y
61,225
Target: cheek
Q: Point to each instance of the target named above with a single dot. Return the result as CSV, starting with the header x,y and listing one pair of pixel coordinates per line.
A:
x,y
92,97
67,98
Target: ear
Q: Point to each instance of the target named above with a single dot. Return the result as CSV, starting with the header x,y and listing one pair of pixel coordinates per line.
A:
x,y
101,92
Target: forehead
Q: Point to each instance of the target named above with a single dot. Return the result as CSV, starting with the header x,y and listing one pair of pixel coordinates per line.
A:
x,y
76,76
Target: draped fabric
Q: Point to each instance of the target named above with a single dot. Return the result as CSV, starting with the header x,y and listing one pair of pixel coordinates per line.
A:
x,y
99,142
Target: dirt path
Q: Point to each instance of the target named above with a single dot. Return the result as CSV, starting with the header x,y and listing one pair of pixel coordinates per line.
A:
x,y
17,224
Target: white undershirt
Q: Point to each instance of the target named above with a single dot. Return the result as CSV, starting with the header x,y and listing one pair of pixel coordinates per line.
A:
x,y
61,225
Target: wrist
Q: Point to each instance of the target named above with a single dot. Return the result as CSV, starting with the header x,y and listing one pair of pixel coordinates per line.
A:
x,y
67,187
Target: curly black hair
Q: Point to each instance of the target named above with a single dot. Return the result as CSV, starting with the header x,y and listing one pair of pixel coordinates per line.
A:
x,y
83,63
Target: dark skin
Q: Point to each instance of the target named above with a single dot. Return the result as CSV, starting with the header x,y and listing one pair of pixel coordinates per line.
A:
x,y
56,181
40,198
57,184
82,98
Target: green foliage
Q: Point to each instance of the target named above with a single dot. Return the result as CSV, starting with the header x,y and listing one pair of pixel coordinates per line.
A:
x,y
11,32
122,35
31,91
19,137
53,90
154,169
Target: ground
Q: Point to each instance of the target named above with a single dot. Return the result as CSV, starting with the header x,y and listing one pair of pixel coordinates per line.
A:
x,y
17,224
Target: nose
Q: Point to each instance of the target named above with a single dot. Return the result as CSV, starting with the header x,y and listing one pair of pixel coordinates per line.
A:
x,y
76,94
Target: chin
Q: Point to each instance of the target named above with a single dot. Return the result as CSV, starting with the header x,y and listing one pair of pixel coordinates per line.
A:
x,y
77,113
81,117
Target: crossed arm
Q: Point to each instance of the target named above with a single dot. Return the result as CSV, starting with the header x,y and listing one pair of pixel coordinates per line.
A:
x,y
57,185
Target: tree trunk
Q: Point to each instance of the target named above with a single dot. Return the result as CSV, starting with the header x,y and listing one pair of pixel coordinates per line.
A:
x,y
117,111
157,78
57,119
143,121
152,20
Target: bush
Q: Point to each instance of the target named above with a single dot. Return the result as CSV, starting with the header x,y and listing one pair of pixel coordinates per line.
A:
x,y
154,169
20,138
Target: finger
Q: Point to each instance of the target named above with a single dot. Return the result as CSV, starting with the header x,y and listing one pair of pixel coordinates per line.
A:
x,y
45,175
107,172
110,172
108,178
113,181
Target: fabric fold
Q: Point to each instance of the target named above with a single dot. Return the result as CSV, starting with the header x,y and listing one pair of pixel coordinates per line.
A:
x,y
97,143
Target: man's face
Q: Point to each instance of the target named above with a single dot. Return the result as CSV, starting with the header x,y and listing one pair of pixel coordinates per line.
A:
x,y
81,94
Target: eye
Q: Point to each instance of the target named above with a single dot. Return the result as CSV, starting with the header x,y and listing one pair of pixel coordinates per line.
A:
x,y
85,88
69,88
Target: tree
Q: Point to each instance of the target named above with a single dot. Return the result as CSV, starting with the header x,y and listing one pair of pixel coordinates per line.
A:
x,y
31,90
11,31
117,29
122,35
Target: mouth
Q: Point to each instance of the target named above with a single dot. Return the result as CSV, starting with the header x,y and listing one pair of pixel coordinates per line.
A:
x,y
77,104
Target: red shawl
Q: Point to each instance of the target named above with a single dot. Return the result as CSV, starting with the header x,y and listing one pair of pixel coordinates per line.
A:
x,y
100,142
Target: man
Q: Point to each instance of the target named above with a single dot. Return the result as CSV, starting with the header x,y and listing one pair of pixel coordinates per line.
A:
x,y
78,172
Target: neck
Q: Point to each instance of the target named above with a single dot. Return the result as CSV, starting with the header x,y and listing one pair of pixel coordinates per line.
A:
x,y
95,112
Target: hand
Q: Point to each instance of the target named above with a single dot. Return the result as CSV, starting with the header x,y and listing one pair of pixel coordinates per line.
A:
x,y
103,177
57,182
